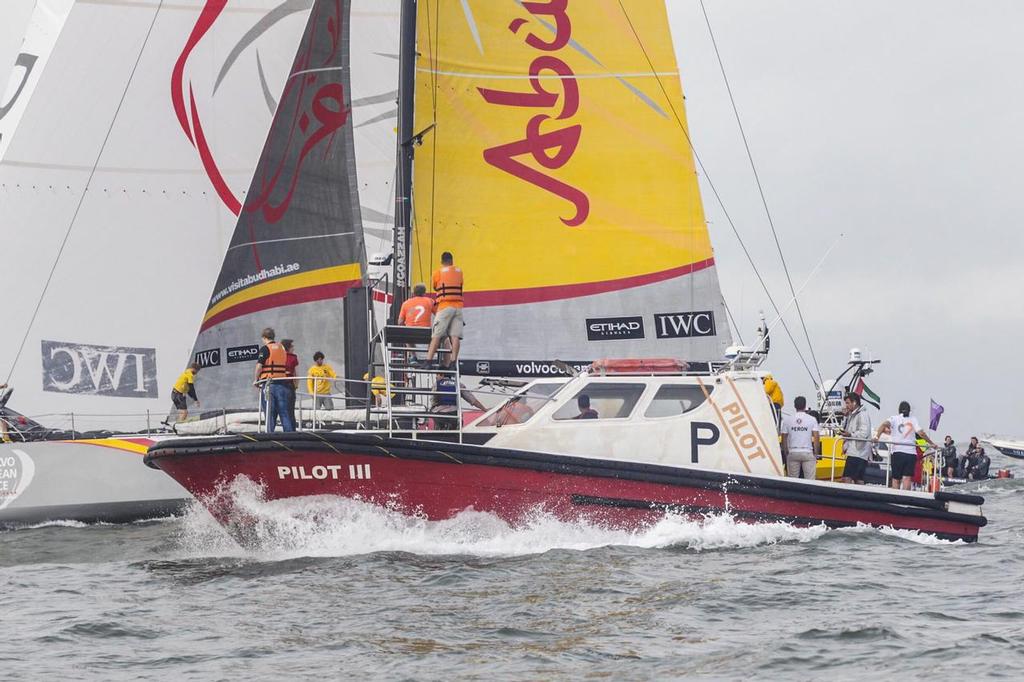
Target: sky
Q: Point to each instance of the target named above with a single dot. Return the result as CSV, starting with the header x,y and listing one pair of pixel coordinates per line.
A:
x,y
897,126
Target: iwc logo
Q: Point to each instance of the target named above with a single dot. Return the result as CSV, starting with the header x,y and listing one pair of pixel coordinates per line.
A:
x,y
16,472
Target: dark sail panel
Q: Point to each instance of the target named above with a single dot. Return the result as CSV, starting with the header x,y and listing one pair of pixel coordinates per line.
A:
x,y
298,245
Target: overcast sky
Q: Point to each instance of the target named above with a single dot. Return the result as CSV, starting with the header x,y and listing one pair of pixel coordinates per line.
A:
x,y
897,125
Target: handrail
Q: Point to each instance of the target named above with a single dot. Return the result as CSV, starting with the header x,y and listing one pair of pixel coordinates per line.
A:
x,y
929,452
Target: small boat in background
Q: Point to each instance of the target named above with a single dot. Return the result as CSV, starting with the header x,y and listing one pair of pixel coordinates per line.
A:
x,y
1009,447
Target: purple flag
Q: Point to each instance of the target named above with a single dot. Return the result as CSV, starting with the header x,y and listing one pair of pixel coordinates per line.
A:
x,y
936,414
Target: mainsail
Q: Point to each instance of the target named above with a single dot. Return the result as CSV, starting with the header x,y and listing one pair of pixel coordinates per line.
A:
x,y
374,74
22,64
102,171
555,165
297,248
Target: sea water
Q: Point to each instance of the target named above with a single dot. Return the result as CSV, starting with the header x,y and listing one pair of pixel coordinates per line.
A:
x,y
336,588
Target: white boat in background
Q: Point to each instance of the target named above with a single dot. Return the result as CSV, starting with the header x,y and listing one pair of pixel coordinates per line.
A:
x,y
1009,447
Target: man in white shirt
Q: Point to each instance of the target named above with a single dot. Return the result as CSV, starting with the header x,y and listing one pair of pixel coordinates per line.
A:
x,y
903,431
800,441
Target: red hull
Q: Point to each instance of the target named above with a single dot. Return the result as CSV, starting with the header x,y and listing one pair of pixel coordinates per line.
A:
x,y
440,480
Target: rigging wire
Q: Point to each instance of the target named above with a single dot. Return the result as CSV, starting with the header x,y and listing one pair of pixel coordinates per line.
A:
x,y
760,189
714,190
434,59
85,191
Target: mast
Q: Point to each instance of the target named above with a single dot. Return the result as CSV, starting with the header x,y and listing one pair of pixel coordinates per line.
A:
x,y
404,150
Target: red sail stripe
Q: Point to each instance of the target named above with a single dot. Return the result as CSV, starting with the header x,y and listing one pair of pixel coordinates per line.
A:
x,y
209,15
554,293
223,191
319,292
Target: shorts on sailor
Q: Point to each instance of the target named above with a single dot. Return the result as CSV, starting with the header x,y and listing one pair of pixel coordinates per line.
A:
x,y
855,468
448,322
179,400
902,464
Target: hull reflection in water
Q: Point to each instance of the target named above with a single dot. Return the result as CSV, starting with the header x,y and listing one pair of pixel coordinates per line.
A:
x,y
438,480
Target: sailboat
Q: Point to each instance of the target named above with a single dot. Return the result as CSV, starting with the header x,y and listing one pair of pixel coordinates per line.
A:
x,y
546,147
126,170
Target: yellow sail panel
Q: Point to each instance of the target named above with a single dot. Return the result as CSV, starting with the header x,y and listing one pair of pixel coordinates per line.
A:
x,y
558,157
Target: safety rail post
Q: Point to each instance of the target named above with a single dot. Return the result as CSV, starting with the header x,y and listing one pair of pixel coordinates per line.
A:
x,y
74,435
148,430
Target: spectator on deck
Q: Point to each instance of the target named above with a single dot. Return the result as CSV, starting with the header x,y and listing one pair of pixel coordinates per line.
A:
x,y
445,402
800,441
948,453
271,368
904,431
858,448
319,384
185,386
291,368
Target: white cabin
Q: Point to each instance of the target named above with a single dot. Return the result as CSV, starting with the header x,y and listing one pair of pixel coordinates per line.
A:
x,y
718,421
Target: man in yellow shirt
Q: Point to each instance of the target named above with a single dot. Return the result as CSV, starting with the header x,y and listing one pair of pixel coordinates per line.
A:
x,y
185,385
774,392
318,383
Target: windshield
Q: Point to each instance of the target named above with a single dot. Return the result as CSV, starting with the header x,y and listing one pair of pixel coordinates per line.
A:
x,y
523,405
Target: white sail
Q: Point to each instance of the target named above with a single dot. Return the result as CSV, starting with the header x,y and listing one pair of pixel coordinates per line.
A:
x,y
23,65
374,58
14,18
128,167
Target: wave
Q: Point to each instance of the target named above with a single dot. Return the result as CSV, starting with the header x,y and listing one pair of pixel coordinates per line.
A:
x,y
327,526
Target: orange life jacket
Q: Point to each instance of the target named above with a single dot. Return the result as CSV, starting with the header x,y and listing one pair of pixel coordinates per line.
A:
x,y
447,282
277,362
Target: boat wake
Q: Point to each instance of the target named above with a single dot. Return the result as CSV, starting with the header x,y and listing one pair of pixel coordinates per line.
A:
x,y
327,526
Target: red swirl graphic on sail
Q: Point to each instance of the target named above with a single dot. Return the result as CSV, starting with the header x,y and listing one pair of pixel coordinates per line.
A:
x,y
193,128
319,113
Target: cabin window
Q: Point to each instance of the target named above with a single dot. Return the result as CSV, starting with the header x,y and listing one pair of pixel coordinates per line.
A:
x,y
672,400
607,401
522,406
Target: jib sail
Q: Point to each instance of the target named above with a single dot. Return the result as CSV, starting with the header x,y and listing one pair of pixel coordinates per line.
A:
x,y
298,246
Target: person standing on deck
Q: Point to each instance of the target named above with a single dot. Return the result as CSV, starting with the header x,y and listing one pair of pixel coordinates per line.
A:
x,y
448,284
417,311
949,457
774,392
291,369
318,383
858,449
904,431
800,441
270,365
185,386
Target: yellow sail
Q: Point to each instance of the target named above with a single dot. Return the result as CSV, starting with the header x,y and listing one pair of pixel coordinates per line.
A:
x,y
555,162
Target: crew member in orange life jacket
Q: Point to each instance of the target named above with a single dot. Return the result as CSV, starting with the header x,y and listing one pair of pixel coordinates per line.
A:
x,y
800,441
418,310
447,282
272,363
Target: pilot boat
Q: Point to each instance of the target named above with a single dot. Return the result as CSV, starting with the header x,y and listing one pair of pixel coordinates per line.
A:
x,y
664,440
